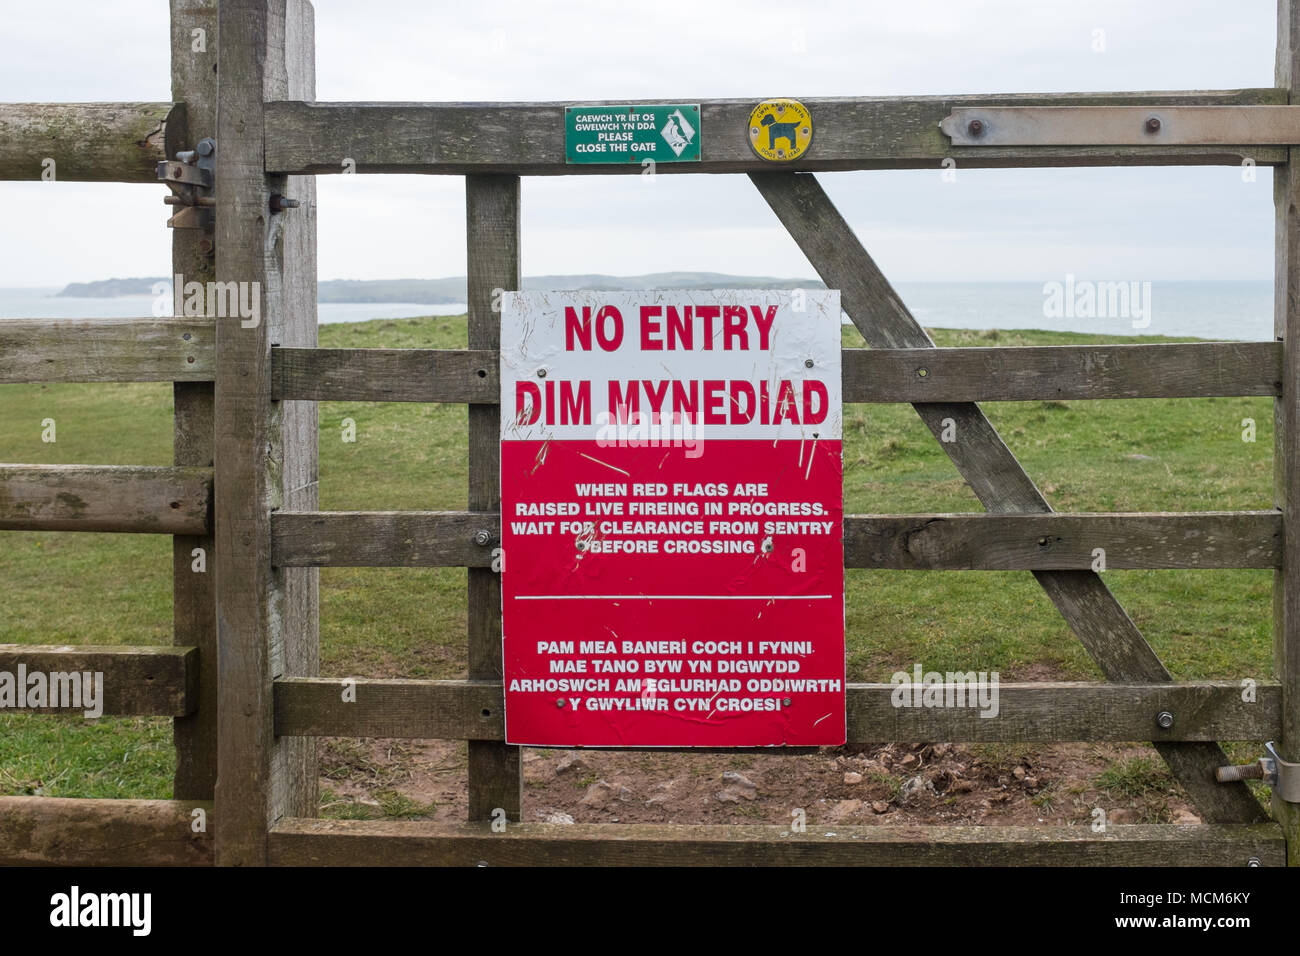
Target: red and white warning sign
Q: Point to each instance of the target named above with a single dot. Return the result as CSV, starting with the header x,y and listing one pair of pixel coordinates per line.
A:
x,y
672,519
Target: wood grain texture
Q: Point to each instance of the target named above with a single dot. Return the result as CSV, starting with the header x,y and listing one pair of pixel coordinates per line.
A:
x,y
1049,542
993,474
52,831
89,142
849,133
438,710
1062,372
474,710
921,542
125,498
265,618
107,350
421,843
387,375
296,649
1286,425
383,539
492,242
1039,373
139,681
194,611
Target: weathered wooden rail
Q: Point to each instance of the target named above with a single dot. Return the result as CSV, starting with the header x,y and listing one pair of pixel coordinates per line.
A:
x,y
243,484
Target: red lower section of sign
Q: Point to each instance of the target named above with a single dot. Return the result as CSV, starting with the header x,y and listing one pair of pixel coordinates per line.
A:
x,y
674,596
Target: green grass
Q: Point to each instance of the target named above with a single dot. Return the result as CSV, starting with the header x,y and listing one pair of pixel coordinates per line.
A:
x,y
107,589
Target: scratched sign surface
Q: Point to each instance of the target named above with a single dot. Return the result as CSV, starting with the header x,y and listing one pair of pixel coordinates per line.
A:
x,y
672,560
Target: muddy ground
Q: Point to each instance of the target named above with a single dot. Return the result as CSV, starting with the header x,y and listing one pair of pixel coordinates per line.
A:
x,y
891,784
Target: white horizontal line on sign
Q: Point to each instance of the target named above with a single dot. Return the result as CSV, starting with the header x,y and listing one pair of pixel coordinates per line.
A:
x,y
675,597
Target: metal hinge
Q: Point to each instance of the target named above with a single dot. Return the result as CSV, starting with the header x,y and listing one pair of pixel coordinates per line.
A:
x,y
1281,775
191,177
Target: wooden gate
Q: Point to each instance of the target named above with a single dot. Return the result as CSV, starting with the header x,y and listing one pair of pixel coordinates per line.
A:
x,y
244,481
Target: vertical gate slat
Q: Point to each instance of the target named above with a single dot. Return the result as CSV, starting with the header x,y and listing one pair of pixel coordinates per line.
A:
x,y
994,474
265,620
194,613
1286,420
492,239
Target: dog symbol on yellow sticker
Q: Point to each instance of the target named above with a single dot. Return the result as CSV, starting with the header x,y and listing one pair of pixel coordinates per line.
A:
x,y
780,130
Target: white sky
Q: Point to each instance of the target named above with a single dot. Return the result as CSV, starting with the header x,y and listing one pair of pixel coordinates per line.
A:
x,y
1037,225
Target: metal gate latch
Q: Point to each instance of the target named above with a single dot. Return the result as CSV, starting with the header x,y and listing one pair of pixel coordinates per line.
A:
x,y
190,177
1281,775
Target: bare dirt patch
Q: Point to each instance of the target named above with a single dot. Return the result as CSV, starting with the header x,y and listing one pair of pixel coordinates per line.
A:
x,y
892,784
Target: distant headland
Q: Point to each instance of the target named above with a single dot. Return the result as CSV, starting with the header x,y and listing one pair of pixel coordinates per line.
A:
x,y
452,289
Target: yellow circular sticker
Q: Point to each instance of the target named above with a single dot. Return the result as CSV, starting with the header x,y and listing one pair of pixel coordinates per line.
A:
x,y
780,130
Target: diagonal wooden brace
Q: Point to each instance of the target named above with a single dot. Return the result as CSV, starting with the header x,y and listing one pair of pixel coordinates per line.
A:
x,y
994,474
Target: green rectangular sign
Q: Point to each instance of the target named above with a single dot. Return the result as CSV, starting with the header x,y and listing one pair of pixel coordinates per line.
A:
x,y
632,134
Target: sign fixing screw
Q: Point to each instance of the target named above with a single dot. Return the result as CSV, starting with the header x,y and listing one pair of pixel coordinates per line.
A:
x,y
482,538
1165,719
975,127
1153,124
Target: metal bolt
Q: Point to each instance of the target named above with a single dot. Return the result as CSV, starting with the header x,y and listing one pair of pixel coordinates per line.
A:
x,y
559,702
1254,861
481,538
807,363
1153,124
975,127
280,203
1250,771
922,372
1165,719
206,146
541,373
785,702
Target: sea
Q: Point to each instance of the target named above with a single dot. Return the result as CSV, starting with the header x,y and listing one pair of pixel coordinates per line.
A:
x,y
1217,310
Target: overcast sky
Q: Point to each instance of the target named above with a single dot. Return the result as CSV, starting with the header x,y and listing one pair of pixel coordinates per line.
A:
x,y
1038,225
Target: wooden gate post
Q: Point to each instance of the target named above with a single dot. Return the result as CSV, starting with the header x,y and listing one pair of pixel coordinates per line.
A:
x,y
492,241
1286,421
266,451
194,615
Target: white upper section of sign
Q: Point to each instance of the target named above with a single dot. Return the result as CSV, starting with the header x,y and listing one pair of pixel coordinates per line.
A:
x,y
718,364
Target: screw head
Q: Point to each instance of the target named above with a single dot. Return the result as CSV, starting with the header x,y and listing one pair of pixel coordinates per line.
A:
x,y
559,702
541,373
1153,124
975,127
807,363
481,538
1254,861
1165,719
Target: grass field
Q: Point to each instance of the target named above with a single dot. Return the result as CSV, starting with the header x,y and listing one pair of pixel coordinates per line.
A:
x,y
1145,455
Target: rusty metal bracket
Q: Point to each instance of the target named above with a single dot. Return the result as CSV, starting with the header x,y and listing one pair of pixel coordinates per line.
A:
x,y
1281,775
191,177
1123,126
